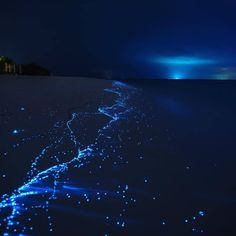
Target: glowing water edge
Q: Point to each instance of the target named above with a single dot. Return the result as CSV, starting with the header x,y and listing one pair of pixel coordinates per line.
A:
x,y
53,181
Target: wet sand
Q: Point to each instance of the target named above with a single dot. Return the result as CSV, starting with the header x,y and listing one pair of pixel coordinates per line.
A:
x,y
166,163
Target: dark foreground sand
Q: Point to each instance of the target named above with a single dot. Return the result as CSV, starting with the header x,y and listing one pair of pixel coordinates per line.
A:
x,y
165,166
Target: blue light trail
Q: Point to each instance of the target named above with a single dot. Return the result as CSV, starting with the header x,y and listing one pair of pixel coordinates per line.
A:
x,y
47,184
53,175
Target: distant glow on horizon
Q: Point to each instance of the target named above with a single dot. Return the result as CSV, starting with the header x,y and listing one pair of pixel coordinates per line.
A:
x,y
225,73
177,76
184,67
222,77
181,61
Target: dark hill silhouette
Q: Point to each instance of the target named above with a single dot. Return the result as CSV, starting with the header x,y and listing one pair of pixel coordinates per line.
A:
x,y
34,69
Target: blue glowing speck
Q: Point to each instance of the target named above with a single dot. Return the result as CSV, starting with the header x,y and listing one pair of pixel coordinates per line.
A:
x,y
15,131
201,213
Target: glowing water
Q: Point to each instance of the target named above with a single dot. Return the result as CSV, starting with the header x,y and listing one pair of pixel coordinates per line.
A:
x,y
48,184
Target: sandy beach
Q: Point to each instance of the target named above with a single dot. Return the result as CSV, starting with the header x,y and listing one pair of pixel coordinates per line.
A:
x,y
84,156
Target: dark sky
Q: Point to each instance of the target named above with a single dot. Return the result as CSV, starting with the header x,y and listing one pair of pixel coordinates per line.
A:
x,y
128,38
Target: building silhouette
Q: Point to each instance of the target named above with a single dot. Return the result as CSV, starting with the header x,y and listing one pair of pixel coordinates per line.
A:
x,y
8,66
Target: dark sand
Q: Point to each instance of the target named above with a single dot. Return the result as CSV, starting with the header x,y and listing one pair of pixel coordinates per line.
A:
x,y
178,160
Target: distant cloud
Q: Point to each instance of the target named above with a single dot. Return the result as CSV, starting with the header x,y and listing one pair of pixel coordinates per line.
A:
x,y
182,60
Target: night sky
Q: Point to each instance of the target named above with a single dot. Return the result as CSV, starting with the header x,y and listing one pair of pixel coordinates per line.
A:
x,y
123,38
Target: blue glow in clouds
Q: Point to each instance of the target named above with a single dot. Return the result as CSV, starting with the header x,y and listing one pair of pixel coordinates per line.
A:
x,y
181,61
183,67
